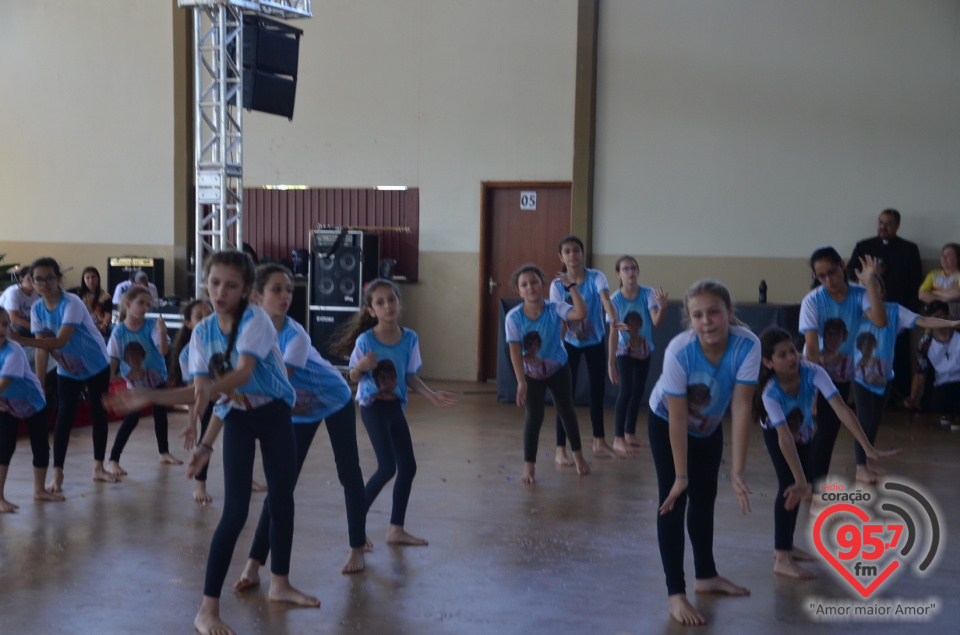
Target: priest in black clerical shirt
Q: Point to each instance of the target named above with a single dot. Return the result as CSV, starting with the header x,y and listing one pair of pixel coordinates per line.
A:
x,y
902,274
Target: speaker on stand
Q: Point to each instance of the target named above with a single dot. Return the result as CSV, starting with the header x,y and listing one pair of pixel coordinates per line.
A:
x,y
341,262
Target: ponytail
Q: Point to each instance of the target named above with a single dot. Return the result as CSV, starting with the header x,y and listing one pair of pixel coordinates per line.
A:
x,y
345,338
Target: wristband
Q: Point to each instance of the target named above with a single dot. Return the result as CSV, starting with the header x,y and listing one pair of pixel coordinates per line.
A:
x,y
208,448
572,285
681,477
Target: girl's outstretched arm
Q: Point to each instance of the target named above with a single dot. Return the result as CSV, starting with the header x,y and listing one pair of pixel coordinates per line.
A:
x,y
936,323
853,425
516,359
613,338
45,343
608,307
801,488
437,398
868,275
201,455
679,414
742,411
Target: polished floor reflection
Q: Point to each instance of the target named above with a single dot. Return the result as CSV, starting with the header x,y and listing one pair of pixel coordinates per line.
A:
x,y
569,555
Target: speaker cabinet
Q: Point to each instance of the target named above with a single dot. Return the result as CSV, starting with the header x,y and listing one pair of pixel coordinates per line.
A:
x,y
341,263
121,269
324,323
270,62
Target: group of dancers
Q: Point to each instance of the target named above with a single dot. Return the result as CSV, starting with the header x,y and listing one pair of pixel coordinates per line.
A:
x,y
715,365
256,377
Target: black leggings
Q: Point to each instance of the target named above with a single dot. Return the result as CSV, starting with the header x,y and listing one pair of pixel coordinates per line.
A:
x,y
342,428
946,398
596,373
39,439
703,467
270,424
784,522
130,422
68,394
560,387
828,424
633,380
390,436
870,408
204,424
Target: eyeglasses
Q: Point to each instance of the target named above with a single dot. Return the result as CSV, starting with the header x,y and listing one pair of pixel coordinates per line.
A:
x,y
44,279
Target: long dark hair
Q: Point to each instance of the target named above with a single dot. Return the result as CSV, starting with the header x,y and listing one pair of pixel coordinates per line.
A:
x,y
180,341
345,338
83,291
829,254
242,263
769,339
266,270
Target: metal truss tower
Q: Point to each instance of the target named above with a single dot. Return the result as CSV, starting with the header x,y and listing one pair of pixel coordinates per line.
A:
x,y
218,117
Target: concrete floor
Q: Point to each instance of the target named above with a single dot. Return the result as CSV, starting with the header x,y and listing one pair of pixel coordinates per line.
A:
x,y
570,555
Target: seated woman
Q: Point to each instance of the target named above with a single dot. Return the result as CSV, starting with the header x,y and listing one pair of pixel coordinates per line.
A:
x,y
944,284
96,300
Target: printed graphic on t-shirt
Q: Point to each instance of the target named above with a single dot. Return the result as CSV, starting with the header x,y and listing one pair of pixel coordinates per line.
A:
x,y
385,376
70,364
533,365
702,392
19,408
795,424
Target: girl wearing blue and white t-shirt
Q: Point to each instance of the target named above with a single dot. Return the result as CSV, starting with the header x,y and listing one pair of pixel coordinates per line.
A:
x,y
322,394
638,310
21,398
833,299
874,370
584,338
64,330
706,369
784,408
385,359
534,332
235,356
137,347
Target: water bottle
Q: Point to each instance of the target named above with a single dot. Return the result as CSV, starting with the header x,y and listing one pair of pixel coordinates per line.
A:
x,y
763,292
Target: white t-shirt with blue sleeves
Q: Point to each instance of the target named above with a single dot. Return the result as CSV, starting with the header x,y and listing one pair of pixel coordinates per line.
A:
x,y
389,379
138,352
821,313
321,389
637,340
796,411
23,396
256,337
873,357
589,331
709,389
540,340
85,353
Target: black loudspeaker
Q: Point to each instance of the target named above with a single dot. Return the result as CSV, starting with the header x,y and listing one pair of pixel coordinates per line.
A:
x,y
324,323
341,263
121,269
270,59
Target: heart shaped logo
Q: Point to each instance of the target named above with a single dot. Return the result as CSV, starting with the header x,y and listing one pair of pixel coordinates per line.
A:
x,y
852,541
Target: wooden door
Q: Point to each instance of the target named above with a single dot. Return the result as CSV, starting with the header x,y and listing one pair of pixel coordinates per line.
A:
x,y
511,235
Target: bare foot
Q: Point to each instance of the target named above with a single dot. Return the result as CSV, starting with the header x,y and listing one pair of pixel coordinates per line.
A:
x,y
561,459
583,468
113,467
368,545
720,585
257,487
397,536
529,469
55,486
6,507
683,612
282,591
102,475
250,577
874,468
865,476
45,496
635,442
168,459
785,566
355,562
208,622
802,556
602,450
200,493
622,448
